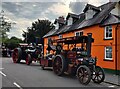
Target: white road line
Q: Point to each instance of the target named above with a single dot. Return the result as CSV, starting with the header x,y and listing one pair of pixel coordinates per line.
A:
x,y
111,86
17,85
2,73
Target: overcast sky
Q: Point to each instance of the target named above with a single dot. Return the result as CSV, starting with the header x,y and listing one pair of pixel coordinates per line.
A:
x,y
24,12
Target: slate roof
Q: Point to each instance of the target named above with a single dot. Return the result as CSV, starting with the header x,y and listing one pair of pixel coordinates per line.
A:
x,y
92,7
103,17
111,19
50,33
72,15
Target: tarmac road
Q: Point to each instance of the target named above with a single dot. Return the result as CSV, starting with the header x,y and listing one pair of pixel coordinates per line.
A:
x,y
21,75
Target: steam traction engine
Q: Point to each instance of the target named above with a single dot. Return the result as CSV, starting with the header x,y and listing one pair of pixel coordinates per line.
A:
x,y
28,53
75,60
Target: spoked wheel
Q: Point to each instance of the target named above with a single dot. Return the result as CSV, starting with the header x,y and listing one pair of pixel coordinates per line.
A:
x,y
98,75
15,56
28,59
84,75
59,65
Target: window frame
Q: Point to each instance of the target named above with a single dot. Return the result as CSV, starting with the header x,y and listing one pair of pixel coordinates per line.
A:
x,y
79,33
109,59
57,26
109,28
68,21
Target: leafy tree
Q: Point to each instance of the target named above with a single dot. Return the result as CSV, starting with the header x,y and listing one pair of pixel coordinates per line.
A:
x,y
37,31
4,27
13,42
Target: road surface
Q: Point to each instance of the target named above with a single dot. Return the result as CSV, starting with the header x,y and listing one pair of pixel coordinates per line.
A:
x,y
21,75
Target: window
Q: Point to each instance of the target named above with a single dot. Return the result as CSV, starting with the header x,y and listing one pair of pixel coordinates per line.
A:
x,y
108,32
60,36
57,26
79,33
70,21
89,14
108,53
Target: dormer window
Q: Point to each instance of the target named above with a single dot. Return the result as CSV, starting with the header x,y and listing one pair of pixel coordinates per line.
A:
x,y
56,26
70,21
90,11
90,14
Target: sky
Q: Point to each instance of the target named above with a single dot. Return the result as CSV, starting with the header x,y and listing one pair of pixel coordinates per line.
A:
x,y
24,12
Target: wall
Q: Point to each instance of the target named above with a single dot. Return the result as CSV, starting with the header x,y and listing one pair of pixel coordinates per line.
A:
x,y
118,47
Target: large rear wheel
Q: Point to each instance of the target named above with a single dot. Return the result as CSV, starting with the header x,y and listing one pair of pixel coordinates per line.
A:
x,y
98,75
59,65
84,75
16,55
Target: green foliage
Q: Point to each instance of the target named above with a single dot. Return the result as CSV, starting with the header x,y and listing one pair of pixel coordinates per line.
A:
x,y
5,26
12,42
37,31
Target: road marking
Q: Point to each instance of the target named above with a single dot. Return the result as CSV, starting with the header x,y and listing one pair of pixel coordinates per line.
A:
x,y
1,68
17,85
111,86
2,73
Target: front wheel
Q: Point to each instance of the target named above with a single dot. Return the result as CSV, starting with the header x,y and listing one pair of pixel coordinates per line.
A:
x,y
28,59
98,75
84,75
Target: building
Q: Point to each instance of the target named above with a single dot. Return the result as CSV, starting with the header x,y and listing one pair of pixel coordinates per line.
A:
x,y
104,24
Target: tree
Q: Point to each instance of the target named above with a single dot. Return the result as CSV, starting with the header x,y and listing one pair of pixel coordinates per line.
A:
x,y
5,26
37,31
13,42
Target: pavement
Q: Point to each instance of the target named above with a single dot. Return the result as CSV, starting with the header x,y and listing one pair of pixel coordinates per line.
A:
x,y
112,79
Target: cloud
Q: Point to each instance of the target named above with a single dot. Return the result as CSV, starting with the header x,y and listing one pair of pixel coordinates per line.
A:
x,y
20,26
59,9
97,2
25,12
77,7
